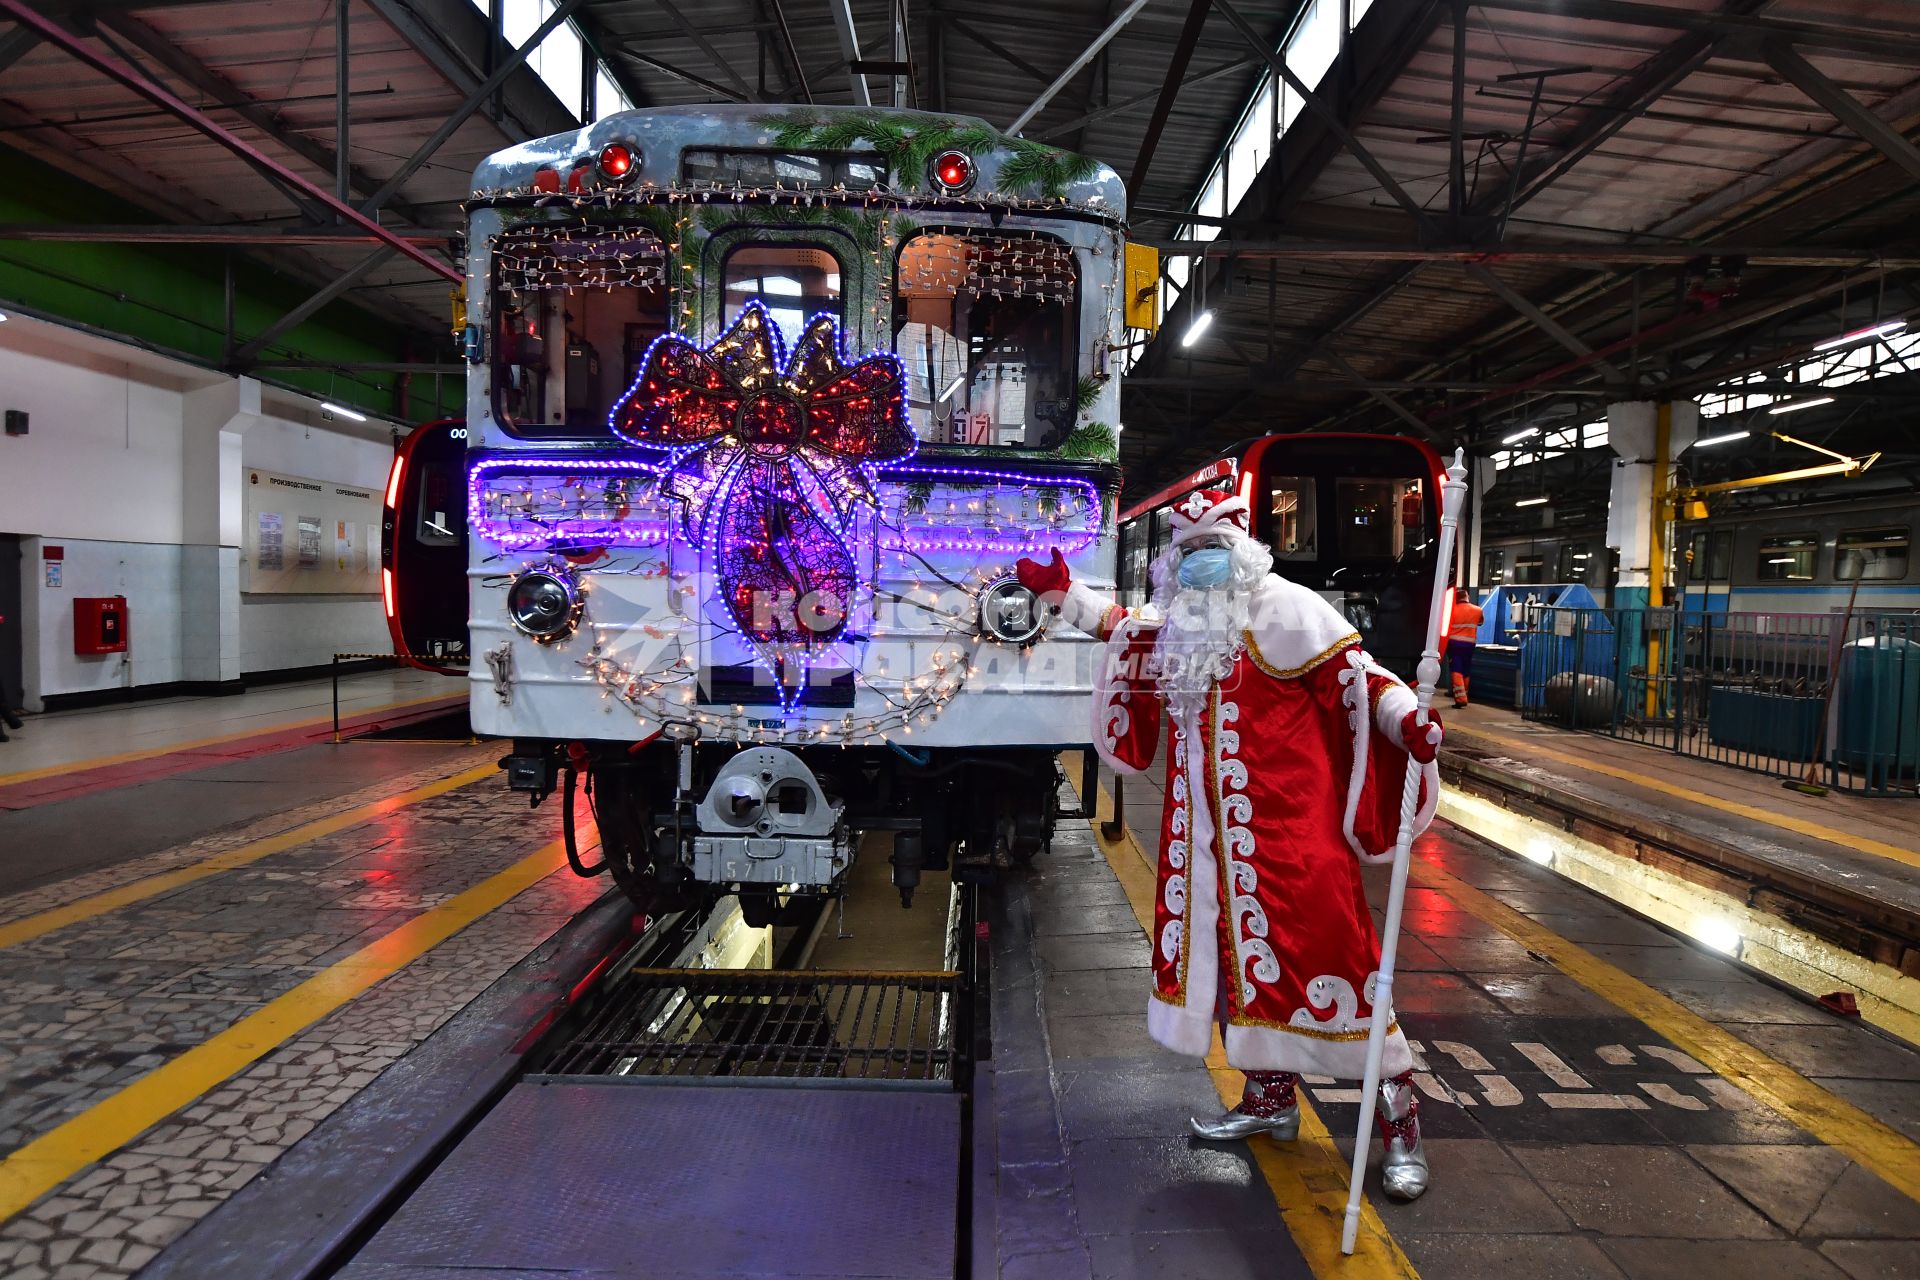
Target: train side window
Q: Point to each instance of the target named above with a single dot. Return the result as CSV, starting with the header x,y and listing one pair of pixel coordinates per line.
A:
x,y
1493,566
1871,555
1574,559
1292,521
1788,558
984,324
1162,534
1529,568
440,523
1697,558
1133,562
794,282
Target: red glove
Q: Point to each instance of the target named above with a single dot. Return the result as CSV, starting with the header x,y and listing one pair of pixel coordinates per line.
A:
x,y
1044,579
1422,743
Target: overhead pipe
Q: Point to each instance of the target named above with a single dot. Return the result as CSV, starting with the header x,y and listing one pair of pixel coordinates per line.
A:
x,y
1087,55
129,78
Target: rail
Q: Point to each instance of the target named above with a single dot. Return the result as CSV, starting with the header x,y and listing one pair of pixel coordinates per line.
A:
x,y
1824,699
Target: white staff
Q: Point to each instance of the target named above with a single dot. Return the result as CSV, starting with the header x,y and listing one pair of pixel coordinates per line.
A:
x,y
1451,494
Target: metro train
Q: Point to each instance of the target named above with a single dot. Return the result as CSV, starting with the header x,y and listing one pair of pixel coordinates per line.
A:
x,y
1803,558
764,403
1354,517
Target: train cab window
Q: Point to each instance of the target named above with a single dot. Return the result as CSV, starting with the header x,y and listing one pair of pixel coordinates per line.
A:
x,y
1162,533
985,327
1292,520
1871,555
1710,556
1493,566
794,282
574,309
1788,558
441,521
1575,559
1529,567
1367,518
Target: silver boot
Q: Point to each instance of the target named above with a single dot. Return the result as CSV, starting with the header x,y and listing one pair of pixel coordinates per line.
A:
x,y
1266,1106
1403,1172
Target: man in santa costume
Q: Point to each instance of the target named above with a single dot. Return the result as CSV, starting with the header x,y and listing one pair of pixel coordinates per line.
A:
x,y
1285,771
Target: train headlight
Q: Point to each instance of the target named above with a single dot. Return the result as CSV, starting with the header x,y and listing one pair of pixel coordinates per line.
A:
x,y
1010,613
952,172
545,604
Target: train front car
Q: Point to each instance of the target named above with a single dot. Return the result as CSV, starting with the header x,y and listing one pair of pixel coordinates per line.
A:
x,y
765,404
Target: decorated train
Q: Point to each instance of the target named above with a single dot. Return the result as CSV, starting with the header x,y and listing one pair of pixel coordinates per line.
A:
x,y
764,404
1355,518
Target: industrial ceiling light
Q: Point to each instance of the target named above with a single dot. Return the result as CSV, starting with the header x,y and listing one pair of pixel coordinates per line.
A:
x,y
1797,405
1198,327
1518,436
342,411
1530,502
1713,440
1861,335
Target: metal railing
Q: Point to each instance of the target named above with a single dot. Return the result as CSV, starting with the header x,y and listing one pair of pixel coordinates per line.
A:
x,y
1828,698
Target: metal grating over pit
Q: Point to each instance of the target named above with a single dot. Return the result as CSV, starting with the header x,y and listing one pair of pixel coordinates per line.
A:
x,y
760,1023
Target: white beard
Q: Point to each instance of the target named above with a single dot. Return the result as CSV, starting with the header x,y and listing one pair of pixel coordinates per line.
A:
x,y
1197,644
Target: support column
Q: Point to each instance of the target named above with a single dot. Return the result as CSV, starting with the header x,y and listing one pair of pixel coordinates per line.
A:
x,y
1647,435
214,419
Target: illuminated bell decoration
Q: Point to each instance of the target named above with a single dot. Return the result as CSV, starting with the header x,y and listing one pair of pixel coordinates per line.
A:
x,y
768,456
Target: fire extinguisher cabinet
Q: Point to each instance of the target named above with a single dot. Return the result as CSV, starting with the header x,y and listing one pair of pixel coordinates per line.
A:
x,y
100,624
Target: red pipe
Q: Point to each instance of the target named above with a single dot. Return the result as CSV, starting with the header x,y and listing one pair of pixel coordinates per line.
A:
x,y
129,78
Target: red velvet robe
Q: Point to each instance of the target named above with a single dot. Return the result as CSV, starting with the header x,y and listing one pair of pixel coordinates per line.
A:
x,y
1289,778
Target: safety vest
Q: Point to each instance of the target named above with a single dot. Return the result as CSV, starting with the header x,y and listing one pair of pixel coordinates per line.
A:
x,y
1465,623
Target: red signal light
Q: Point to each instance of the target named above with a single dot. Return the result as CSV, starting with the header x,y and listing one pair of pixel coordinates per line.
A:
x,y
618,161
952,171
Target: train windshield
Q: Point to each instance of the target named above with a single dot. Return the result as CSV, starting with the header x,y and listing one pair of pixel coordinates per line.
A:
x,y
575,308
985,327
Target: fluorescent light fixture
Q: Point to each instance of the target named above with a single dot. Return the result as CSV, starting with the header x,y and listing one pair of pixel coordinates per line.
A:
x,y
1797,405
1530,502
342,411
1781,560
952,387
1198,327
1518,436
1713,440
1861,335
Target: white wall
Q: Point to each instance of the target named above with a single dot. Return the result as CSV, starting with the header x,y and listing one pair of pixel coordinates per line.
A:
x,y
130,463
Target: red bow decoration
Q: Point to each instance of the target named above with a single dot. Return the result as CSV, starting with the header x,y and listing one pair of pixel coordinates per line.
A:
x,y
768,456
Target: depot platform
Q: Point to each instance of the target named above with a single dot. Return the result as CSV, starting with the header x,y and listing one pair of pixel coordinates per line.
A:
x,y
371,1034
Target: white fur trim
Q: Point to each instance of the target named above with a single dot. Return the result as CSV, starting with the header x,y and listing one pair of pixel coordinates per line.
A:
x,y
1179,1029
1291,625
1361,721
1083,607
1279,1049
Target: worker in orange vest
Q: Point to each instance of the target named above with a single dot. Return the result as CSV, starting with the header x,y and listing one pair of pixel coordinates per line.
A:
x,y
1463,628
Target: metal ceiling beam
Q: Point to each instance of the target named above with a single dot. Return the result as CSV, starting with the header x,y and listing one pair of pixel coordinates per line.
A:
x,y
842,11
680,73
1887,46
329,160
788,51
128,78
261,237
448,127
1540,319
1843,106
17,44
1074,68
994,47
1328,116
352,276
1138,100
1169,90
426,33
1569,252
365,366
1400,411
705,46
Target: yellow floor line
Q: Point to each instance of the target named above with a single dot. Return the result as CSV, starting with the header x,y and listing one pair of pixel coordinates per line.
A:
x,y
18,931
1307,1177
1528,748
116,1120
148,753
1832,1119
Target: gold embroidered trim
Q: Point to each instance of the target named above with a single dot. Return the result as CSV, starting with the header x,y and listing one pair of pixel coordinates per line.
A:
x,y
1312,1033
1260,661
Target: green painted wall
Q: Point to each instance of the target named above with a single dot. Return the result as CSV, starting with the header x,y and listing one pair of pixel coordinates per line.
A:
x,y
172,297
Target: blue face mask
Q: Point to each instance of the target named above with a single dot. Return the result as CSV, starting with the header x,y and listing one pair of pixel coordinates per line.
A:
x,y
1206,569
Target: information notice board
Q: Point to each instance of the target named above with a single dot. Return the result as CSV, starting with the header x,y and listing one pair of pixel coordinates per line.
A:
x,y
309,537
